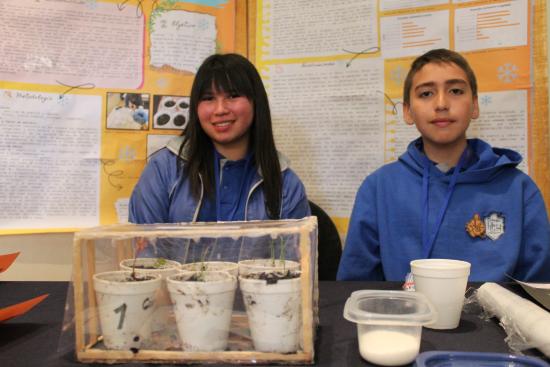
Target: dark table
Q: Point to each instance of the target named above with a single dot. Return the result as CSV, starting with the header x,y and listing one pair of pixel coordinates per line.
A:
x,y
36,339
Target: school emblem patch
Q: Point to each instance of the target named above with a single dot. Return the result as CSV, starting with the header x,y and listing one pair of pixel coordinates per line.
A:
x,y
494,226
491,226
475,227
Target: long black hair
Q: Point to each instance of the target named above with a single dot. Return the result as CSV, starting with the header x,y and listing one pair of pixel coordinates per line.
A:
x,y
232,73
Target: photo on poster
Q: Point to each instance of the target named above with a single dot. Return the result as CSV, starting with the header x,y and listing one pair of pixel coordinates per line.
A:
x,y
128,111
170,112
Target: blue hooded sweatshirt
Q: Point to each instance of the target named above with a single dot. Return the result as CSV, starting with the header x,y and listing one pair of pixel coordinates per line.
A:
x,y
163,193
386,225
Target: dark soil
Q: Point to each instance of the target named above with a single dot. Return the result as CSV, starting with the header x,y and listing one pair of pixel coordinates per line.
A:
x,y
137,278
146,267
197,277
274,277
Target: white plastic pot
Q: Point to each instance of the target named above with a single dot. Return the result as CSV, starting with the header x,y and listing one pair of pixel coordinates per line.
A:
x,y
274,313
162,316
266,266
125,308
203,309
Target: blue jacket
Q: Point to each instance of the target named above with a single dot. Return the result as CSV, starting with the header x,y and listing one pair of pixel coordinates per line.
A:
x,y
385,231
163,194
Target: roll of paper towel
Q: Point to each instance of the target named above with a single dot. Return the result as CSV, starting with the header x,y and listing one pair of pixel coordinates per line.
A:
x,y
518,316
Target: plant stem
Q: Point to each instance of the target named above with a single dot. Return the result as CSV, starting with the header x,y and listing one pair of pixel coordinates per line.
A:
x,y
203,268
139,246
134,266
282,253
272,248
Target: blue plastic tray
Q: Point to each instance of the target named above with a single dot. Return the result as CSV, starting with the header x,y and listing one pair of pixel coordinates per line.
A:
x,y
475,359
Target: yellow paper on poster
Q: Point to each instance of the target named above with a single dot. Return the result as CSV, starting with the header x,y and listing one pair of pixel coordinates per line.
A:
x,y
97,100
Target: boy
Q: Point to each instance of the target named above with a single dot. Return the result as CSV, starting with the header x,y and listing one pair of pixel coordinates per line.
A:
x,y
447,197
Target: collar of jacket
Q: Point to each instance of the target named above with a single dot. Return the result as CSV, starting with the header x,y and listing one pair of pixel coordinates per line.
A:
x,y
175,144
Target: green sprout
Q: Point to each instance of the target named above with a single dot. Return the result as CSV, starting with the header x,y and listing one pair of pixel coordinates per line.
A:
x,y
160,263
282,252
208,250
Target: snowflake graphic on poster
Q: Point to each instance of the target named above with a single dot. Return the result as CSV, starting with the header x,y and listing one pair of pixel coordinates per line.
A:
x,y
486,100
507,73
162,82
127,153
397,75
91,4
203,24
65,99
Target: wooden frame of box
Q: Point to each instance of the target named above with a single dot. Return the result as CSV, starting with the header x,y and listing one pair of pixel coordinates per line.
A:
x,y
88,333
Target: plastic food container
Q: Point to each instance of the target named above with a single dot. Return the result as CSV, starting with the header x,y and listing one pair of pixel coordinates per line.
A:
x,y
463,359
389,324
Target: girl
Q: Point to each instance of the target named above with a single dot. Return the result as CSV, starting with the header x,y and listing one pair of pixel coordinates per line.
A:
x,y
225,166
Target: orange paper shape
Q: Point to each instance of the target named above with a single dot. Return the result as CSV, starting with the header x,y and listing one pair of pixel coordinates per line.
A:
x,y
20,308
7,260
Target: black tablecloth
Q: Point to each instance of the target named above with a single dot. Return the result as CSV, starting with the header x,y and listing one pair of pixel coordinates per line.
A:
x,y
36,339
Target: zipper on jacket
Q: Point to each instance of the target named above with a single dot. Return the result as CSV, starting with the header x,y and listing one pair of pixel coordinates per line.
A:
x,y
248,197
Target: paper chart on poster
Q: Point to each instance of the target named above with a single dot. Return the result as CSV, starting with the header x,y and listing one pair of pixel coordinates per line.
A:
x,y
57,43
332,96
86,92
49,147
295,29
493,35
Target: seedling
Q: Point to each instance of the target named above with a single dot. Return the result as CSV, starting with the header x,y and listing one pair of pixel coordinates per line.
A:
x,y
282,251
160,263
204,267
140,246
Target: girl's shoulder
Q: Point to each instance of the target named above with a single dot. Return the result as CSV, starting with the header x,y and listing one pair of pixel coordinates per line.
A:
x,y
168,155
174,146
162,165
161,156
284,162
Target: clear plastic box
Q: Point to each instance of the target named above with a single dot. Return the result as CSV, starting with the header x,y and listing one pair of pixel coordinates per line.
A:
x,y
148,324
389,324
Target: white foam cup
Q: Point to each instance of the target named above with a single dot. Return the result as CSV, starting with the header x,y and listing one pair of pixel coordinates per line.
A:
x,y
443,282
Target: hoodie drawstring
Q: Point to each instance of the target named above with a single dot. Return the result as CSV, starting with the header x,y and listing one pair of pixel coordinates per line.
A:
x,y
427,239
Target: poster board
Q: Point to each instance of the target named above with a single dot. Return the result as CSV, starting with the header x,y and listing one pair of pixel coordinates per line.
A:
x,y
117,165
89,90
336,91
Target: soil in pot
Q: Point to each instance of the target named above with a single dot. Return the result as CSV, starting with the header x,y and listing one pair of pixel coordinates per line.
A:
x,y
230,267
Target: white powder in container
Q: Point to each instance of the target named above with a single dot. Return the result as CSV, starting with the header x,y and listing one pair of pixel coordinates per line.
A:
x,y
388,348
